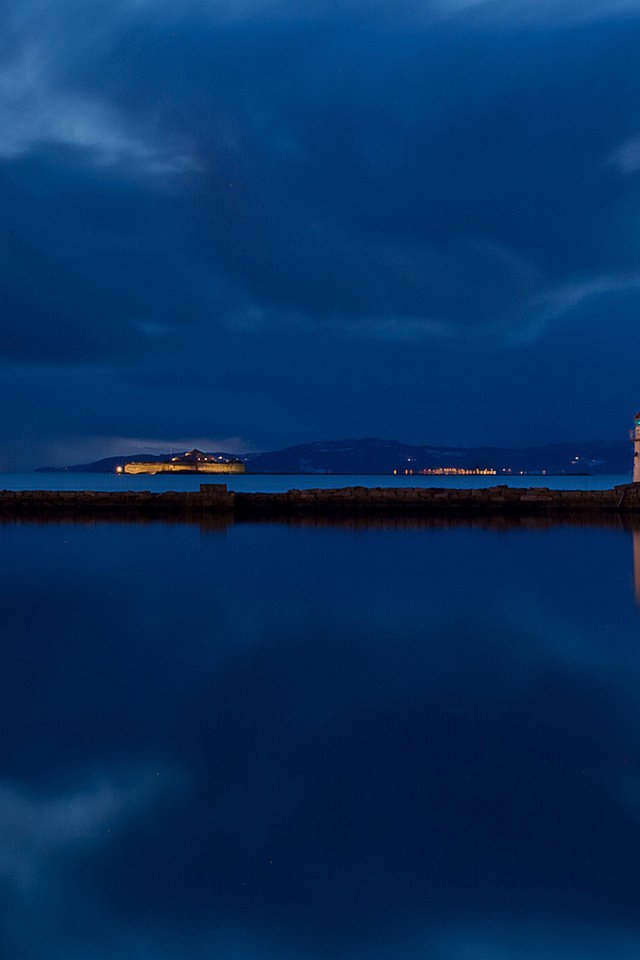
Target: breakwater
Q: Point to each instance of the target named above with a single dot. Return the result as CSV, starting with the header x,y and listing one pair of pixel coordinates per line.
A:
x,y
216,499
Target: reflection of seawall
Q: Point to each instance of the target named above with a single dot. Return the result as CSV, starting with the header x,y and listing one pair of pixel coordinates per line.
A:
x,y
170,467
636,564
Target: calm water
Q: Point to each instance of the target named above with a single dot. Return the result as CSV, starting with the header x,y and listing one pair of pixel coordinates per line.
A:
x,y
273,483
297,742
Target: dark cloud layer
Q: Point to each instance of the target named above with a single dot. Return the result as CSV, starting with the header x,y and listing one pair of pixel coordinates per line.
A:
x,y
182,185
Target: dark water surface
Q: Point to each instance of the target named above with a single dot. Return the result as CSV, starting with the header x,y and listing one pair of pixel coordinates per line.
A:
x,y
307,742
281,482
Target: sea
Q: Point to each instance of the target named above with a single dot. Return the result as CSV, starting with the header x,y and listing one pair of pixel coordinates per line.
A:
x,y
389,740
278,483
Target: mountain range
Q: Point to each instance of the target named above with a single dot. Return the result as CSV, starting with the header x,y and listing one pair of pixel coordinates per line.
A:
x,y
379,457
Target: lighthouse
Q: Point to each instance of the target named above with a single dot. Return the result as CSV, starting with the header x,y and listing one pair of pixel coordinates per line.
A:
x,y
635,436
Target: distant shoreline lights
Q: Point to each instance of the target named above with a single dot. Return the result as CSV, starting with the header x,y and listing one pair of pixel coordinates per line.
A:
x,y
449,472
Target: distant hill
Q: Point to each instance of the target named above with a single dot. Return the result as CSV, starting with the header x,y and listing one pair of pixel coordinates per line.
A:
x,y
372,456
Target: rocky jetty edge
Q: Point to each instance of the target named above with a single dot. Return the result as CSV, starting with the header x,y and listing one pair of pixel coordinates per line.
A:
x,y
216,499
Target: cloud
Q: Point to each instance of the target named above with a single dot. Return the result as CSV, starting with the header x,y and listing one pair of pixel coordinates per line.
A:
x,y
38,105
555,304
562,11
627,157
424,194
35,829
542,942
187,185
114,446
32,114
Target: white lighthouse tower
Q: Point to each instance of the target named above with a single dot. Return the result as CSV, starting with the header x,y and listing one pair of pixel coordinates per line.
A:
x,y
635,436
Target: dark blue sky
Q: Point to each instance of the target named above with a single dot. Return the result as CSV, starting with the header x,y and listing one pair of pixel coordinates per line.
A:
x,y
250,223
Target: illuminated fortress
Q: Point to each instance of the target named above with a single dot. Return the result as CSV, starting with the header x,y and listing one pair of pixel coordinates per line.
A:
x,y
193,461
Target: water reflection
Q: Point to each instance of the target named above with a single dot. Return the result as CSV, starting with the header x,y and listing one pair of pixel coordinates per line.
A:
x,y
70,517
220,523
401,520
636,564
403,739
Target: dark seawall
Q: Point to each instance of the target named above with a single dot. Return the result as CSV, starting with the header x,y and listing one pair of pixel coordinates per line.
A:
x,y
215,500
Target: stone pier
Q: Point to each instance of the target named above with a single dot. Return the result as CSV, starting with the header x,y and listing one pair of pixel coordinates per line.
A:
x,y
216,499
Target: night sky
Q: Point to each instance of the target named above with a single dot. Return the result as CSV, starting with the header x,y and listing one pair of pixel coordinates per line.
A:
x,y
252,223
